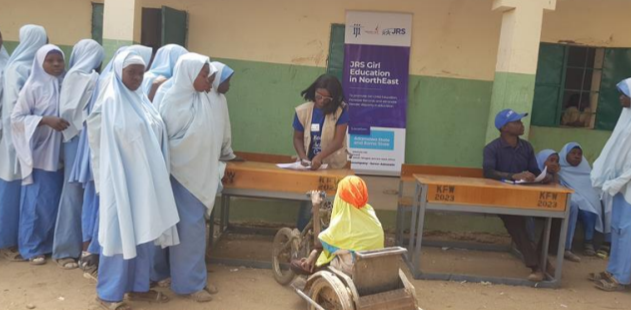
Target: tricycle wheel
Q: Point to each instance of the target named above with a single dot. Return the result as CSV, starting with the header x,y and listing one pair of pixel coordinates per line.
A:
x,y
284,248
330,293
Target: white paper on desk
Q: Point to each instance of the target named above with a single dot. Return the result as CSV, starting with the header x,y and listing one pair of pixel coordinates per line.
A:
x,y
539,178
298,166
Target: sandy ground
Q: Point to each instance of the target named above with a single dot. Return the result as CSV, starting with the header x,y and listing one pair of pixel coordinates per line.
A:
x,y
23,286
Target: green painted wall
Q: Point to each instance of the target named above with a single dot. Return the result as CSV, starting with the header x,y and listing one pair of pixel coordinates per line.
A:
x,y
111,46
263,91
262,99
447,117
11,45
510,91
446,121
592,141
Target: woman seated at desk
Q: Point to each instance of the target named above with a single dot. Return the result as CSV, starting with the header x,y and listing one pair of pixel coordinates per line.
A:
x,y
354,227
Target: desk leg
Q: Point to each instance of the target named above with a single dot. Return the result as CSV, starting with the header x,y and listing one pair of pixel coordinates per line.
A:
x,y
561,247
211,233
421,202
415,211
228,202
225,215
546,244
398,237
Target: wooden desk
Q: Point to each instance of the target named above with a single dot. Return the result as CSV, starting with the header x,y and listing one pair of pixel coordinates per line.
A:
x,y
404,201
264,180
476,195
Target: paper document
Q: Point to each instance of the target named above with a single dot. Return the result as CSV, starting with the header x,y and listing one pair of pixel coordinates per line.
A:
x,y
538,179
298,166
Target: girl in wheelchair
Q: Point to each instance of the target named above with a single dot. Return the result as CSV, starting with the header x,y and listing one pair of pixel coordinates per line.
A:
x,y
354,226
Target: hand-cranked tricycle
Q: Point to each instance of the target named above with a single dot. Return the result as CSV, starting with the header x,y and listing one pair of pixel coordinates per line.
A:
x,y
374,282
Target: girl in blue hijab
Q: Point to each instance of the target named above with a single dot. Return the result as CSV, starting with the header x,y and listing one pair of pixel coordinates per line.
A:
x,y
16,72
550,159
76,93
4,58
612,175
575,174
161,68
130,165
36,132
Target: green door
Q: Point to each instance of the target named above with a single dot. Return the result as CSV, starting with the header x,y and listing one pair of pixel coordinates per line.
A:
x,y
335,64
174,26
97,22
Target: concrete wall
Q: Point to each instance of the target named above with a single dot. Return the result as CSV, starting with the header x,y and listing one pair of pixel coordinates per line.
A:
x,y
593,23
279,47
297,32
66,21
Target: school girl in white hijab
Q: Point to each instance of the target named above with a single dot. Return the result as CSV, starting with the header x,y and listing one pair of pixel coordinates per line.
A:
x,y
162,66
162,90
612,175
82,171
137,208
4,58
36,132
221,85
189,119
76,93
16,72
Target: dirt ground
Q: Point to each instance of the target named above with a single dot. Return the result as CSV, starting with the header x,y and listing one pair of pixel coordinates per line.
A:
x,y
23,286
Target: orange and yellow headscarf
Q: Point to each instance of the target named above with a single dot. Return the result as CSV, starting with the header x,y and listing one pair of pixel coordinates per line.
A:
x,y
354,225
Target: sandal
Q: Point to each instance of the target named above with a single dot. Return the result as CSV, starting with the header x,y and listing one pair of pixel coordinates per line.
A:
x,y
594,277
201,296
38,260
296,267
571,256
112,305
92,275
67,263
609,285
589,250
164,283
150,296
88,261
12,255
211,288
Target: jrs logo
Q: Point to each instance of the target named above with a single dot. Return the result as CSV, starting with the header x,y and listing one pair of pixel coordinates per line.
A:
x,y
393,32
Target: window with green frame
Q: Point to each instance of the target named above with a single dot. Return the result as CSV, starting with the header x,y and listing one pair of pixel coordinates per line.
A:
x,y
575,86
